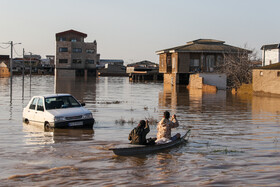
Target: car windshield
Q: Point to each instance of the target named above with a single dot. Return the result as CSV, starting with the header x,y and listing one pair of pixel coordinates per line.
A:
x,y
61,102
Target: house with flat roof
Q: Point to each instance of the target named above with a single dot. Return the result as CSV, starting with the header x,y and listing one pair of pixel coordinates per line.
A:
x,y
74,56
197,56
270,54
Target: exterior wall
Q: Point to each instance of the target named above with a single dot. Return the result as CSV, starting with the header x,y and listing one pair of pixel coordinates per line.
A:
x,y
174,62
63,55
215,79
266,81
72,41
170,78
65,73
4,72
163,63
196,81
183,62
271,56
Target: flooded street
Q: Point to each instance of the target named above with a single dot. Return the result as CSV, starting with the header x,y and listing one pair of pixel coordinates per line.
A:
x,y
235,140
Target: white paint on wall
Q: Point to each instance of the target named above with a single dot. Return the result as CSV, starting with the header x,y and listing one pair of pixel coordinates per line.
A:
x,y
271,56
215,79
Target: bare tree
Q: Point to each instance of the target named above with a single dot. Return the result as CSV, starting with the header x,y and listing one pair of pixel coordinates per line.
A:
x,y
238,67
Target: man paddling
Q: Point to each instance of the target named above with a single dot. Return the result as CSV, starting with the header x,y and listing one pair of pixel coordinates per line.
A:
x,y
164,127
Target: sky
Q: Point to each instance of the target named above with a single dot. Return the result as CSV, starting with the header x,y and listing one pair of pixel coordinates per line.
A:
x,y
134,30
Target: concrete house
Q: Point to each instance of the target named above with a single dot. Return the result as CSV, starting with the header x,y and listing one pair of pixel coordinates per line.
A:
x,y
202,55
74,56
270,54
266,80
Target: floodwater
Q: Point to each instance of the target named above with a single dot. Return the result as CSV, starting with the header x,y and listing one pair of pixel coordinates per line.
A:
x,y
235,140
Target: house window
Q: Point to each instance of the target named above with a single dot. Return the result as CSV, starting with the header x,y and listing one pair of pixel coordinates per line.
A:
x,y
77,50
261,73
90,51
194,62
62,39
63,49
63,61
88,61
76,61
278,73
73,40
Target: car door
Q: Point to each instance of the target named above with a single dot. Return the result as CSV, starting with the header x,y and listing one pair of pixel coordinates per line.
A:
x,y
39,111
31,110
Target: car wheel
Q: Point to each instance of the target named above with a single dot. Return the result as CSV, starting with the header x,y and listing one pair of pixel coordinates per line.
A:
x,y
47,126
26,121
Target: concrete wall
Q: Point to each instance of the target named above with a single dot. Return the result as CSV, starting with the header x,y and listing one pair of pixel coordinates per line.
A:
x,y
266,81
162,63
272,56
64,73
215,79
196,81
170,78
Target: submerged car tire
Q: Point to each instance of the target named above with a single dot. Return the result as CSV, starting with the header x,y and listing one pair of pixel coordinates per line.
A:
x,y
47,126
26,121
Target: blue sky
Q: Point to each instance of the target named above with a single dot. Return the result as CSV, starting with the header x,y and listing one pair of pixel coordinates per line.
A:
x,y
133,30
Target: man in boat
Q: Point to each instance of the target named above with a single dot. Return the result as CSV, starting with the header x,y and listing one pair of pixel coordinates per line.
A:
x,y
164,127
138,134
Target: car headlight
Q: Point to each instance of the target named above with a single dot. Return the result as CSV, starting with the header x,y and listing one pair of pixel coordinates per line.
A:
x,y
87,116
59,118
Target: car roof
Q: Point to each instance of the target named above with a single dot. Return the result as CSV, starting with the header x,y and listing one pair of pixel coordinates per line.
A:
x,y
53,95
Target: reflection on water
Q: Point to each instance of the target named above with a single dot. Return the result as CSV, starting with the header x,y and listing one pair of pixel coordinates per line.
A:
x,y
234,140
37,134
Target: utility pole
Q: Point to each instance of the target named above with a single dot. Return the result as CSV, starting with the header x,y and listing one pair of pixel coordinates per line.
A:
x,y
23,69
11,70
30,71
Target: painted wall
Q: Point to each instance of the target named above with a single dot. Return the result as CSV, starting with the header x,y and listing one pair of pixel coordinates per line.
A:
x,y
267,81
272,56
215,79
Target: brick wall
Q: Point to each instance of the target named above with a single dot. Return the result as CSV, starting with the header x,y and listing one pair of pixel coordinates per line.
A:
x,y
267,81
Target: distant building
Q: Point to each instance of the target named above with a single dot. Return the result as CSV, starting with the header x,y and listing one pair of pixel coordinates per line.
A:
x,y
144,65
111,67
270,54
202,55
74,56
4,69
103,62
143,70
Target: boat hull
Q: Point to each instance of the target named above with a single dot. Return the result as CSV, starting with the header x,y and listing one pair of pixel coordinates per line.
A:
x,y
146,149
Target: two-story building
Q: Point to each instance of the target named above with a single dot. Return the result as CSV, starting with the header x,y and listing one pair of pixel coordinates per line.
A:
x,y
74,56
202,55
270,54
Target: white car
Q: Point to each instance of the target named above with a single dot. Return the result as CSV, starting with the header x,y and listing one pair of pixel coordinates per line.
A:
x,y
57,111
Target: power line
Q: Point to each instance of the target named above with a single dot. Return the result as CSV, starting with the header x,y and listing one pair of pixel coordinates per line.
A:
x,y
4,47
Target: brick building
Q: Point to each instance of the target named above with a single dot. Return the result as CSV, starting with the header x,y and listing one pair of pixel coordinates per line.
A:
x,y
74,56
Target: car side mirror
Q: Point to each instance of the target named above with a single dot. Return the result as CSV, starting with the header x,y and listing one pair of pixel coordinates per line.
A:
x,y
83,104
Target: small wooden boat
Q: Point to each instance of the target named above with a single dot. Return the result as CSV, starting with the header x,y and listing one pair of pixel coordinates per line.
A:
x,y
131,149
